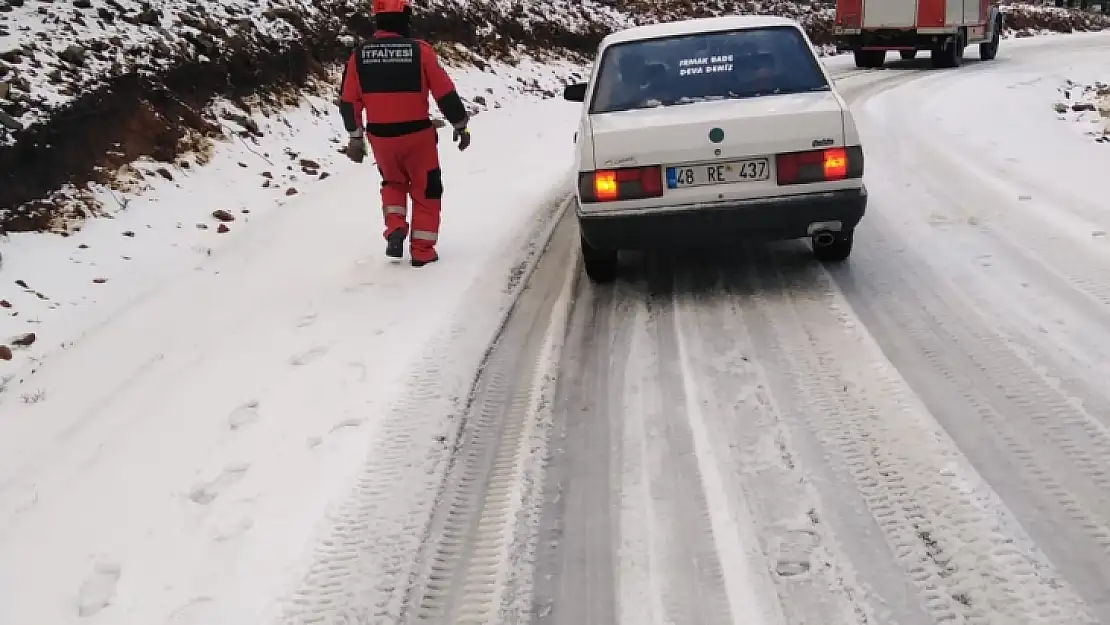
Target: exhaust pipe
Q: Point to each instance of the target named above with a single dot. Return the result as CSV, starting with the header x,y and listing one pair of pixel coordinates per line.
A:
x,y
824,238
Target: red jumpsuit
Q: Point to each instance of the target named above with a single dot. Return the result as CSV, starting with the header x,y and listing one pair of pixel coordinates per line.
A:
x,y
389,78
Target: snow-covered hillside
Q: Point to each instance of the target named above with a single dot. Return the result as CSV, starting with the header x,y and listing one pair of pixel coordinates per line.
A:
x,y
210,369
147,71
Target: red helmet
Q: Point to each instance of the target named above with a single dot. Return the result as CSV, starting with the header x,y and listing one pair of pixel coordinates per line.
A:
x,y
388,6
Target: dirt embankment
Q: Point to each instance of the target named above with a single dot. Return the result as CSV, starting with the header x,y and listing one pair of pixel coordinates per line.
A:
x,y
144,97
155,109
1027,21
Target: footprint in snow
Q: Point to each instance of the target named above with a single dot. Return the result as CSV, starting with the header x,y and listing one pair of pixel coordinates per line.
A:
x,y
306,320
347,423
360,369
99,588
243,415
206,493
308,357
192,613
792,551
231,528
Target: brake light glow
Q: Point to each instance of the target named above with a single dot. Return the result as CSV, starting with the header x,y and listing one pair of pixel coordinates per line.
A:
x,y
819,165
836,164
606,188
628,183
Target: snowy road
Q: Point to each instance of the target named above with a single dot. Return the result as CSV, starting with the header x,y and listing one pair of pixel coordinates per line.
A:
x,y
922,436
231,433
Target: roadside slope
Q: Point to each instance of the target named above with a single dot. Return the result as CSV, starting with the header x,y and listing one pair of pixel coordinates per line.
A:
x,y
148,72
173,464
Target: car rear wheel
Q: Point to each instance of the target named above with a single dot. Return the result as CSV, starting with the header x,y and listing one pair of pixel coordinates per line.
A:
x,y
601,265
908,55
838,249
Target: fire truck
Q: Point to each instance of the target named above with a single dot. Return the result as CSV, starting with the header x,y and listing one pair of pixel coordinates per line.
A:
x,y
870,28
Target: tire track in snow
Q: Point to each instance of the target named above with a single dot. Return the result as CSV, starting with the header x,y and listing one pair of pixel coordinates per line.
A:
x,y
1041,442
471,570
1066,331
975,192
814,581
928,537
635,386
671,513
970,562
365,561
634,488
575,580
1041,452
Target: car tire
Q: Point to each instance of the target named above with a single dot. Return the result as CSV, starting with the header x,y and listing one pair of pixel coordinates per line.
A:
x,y
601,265
908,55
837,251
869,59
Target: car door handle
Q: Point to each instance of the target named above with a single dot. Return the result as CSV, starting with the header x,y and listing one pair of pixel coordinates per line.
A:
x,y
576,137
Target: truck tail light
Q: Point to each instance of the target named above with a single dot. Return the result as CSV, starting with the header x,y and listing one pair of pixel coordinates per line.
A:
x,y
628,183
848,20
819,165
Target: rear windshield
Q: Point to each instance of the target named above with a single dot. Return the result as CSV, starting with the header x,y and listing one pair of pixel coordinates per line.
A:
x,y
706,66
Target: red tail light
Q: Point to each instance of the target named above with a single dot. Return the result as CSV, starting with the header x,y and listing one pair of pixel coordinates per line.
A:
x,y
848,20
819,165
629,183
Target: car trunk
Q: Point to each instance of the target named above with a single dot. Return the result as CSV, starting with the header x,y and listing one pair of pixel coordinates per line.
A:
x,y
754,127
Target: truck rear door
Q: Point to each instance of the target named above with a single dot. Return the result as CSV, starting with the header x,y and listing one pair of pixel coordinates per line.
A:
x,y
889,13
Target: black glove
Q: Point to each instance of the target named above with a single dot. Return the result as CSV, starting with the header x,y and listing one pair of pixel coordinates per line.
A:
x,y
356,148
462,137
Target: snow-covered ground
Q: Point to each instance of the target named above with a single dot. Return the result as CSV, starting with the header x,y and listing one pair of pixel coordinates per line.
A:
x,y
1039,186
62,285
194,400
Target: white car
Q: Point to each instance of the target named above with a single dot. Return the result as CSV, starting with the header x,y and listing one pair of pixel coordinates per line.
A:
x,y
705,131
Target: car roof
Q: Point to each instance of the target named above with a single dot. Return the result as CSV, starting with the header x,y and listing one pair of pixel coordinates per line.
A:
x,y
696,25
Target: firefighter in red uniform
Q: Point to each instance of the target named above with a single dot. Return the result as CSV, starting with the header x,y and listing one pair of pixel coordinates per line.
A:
x,y
389,77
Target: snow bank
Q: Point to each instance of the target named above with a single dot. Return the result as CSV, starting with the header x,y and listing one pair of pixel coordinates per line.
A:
x,y
54,53
1088,105
265,162
148,73
1027,20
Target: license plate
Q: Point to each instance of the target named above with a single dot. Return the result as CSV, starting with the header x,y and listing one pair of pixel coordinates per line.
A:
x,y
747,170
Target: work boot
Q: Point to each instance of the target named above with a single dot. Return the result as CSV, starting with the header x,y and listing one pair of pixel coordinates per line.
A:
x,y
420,263
395,244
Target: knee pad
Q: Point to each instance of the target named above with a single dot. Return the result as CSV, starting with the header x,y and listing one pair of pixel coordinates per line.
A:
x,y
434,188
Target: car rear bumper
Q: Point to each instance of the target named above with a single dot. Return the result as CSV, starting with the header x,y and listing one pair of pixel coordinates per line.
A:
x,y
768,219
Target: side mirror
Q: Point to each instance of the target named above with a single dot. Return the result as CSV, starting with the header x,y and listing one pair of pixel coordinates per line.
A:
x,y
575,92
